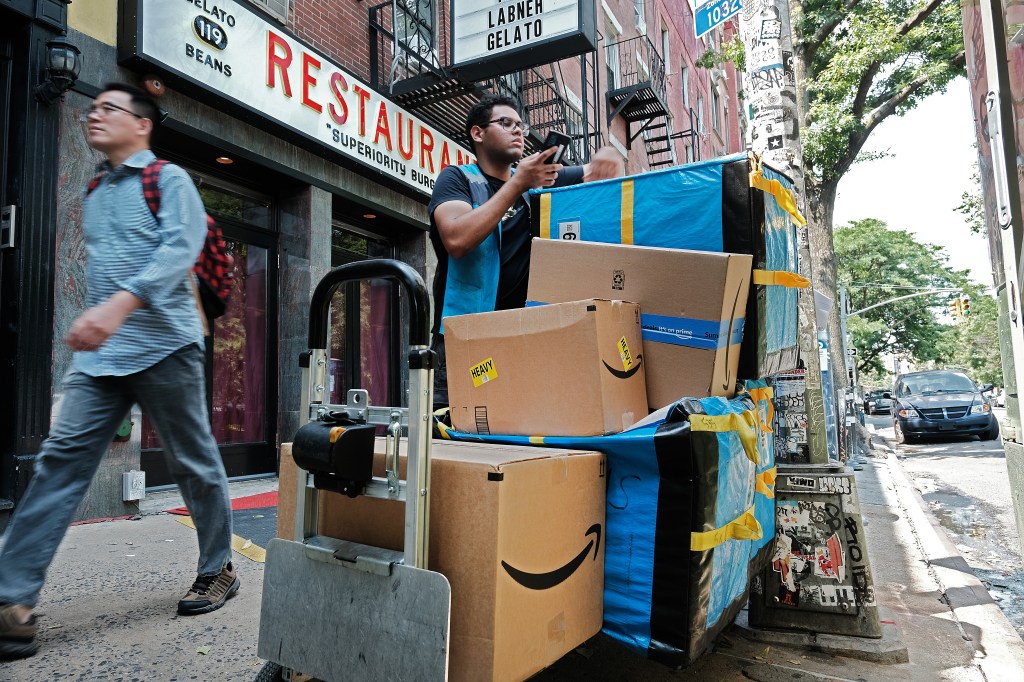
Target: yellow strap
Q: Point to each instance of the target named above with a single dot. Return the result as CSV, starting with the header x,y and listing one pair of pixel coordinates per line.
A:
x,y
765,482
743,423
626,214
781,278
744,527
545,215
442,428
782,195
766,394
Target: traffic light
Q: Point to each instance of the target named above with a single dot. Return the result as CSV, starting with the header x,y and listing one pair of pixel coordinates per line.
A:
x,y
965,306
955,308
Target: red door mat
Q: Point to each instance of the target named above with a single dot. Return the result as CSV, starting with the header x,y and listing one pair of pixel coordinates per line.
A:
x,y
248,502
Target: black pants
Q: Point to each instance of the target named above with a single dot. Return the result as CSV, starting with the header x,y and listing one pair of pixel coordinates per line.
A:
x,y
440,373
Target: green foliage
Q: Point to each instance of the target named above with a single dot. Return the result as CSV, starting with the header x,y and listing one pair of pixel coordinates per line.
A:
x,y
865,61
972,205
877,264
973,344
732,51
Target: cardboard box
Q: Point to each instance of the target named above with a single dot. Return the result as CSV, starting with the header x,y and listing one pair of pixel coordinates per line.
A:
x,y
714,205
495,510
692,305
571,369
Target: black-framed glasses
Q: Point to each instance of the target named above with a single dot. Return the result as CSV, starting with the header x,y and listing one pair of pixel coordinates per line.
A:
x,y
509,124
109,108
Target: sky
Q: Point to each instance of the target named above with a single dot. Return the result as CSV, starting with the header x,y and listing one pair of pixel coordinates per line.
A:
x,y
918,188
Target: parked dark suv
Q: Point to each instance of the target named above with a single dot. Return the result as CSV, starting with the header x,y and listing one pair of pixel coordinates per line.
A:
x,y
875,402
941,403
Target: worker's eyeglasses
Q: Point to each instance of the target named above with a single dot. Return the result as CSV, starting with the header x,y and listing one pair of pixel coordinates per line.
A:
x,y
105,109
509,124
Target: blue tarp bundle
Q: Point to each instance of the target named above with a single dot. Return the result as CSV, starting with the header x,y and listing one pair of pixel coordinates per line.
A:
x,y
731,204
679,526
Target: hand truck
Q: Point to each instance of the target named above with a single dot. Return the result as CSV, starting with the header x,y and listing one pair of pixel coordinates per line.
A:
x,y
337,610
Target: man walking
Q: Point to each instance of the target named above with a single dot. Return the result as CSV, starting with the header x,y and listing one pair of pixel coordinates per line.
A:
x,y
479,218
139,341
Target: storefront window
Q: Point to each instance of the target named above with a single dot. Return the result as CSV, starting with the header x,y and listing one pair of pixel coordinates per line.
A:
x,y
239,352
237,358
363,331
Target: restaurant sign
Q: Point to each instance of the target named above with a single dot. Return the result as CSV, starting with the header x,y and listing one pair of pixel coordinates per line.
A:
x,y
226,48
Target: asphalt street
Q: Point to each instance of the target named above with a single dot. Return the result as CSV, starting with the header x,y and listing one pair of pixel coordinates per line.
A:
x,y
963,481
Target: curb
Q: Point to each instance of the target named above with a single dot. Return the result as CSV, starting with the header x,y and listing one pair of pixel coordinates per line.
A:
x,y
999,650
890,649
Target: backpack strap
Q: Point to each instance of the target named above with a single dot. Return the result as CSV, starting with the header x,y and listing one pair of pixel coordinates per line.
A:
x,y
150,184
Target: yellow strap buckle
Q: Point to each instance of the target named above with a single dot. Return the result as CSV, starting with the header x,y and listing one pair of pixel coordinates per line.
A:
x,y
743,423
782,195
743,527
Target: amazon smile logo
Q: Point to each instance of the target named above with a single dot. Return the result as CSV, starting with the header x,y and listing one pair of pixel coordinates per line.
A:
x,y
625,374
545,581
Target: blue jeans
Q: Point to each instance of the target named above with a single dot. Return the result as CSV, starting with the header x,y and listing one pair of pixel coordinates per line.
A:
x,y
172,395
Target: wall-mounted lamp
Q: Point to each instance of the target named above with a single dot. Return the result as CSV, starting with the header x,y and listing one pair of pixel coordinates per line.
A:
x,y
63,64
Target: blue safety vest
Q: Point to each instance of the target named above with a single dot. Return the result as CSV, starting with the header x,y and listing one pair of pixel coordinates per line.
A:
x,y
472,282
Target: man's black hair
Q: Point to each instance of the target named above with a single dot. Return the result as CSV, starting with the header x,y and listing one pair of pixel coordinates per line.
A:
x,y
481,112
142,103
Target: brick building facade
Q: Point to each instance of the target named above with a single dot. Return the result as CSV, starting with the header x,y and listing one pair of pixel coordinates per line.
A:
x,y
297,192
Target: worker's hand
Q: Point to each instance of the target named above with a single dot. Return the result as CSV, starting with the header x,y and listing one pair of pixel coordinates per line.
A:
x,y
534,172
91,329
604,164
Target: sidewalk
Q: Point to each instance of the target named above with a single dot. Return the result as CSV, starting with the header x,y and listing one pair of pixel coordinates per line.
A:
x,y
108,611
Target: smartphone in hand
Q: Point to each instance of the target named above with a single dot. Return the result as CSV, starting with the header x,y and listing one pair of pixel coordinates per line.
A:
x,y
559,140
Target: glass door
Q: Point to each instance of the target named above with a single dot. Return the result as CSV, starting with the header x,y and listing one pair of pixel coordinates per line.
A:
x,y
365,333
241,351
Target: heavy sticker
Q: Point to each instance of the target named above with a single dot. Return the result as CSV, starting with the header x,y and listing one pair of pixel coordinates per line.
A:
x,y
482,372
625,355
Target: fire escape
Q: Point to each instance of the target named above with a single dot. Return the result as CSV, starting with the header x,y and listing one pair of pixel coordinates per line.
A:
x,y
409,60
636,92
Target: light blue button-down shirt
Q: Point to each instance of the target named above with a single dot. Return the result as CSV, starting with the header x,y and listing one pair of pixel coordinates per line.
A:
x,y
130,250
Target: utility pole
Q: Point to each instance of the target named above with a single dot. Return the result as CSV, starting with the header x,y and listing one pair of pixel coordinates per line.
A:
x,y
771,95
774,135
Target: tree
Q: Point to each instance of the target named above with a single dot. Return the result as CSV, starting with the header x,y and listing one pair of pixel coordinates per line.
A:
x,y
856,64
973,344
877,264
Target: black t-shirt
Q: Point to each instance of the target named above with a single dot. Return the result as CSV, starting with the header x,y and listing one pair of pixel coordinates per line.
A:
x,y
452,185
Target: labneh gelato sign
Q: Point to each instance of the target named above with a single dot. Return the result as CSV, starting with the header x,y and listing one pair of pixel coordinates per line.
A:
x,y
492,37
225,47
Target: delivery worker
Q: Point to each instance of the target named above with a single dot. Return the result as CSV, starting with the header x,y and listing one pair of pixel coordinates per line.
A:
x,y
479,218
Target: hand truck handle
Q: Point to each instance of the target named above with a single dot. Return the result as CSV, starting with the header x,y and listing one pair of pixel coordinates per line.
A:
x,y
381,268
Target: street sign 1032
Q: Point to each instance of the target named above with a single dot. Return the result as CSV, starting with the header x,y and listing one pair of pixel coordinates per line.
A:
x,y
712,14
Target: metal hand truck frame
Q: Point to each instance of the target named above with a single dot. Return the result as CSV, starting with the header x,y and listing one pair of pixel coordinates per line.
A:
x,y
338,610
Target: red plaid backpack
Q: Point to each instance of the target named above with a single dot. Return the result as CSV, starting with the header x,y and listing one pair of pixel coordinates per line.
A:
x,y
214,267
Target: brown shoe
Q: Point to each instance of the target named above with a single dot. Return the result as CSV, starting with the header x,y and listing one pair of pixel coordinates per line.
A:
x,y
17,639
209,592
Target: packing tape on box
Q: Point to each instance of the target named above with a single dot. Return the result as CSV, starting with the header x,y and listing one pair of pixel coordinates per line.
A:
x,y
689,331
782,278
743,527
686,331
